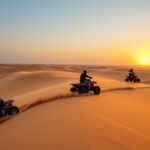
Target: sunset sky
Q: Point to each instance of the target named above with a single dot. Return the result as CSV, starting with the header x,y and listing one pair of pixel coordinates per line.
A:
x,y
113,32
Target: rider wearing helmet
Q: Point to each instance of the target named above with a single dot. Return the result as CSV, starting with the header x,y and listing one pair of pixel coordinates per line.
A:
x,y
84,78
131,72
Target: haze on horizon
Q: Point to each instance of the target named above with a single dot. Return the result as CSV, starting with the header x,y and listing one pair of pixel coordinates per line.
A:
x,y
75,31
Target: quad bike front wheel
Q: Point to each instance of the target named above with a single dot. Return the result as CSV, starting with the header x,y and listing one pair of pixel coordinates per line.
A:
x,y
13,111
1,113
73,89
96,90
138,80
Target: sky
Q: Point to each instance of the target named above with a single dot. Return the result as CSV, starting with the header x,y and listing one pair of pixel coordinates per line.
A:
x,y
101,32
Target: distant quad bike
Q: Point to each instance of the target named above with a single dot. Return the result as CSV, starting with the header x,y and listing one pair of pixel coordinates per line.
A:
x,y
132,79
7,108
83,88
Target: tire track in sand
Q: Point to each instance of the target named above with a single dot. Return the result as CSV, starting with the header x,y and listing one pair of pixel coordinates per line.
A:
x,y
64,96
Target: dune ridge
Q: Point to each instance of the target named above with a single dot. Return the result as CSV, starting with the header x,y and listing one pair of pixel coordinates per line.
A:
x,y
124,88
146,82
25,107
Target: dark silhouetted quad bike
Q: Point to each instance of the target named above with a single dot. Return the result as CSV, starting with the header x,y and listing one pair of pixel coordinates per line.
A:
x,y
132,79
84,88
7,108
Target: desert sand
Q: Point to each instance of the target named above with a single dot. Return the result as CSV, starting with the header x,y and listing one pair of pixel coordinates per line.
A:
x,y
51,118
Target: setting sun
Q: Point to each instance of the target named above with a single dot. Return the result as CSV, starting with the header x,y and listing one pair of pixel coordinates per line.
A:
x,y
145,60
142,55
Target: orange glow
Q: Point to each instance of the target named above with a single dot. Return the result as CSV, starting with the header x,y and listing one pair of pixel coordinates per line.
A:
x,y
143,55
145,60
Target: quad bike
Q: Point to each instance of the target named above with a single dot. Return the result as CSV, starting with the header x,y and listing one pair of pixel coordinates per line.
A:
x,y
84,88
132,79
7,108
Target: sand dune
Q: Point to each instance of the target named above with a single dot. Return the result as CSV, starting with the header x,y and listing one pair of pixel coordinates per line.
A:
x,y
83,123
30,81
53,118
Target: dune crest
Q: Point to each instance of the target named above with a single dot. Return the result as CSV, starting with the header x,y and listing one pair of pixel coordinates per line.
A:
x,y
65,96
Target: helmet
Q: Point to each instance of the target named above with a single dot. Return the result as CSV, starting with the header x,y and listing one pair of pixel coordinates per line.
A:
x,y
85,71
131,70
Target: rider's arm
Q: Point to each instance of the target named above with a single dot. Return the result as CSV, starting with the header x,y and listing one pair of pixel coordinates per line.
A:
x,y
88,77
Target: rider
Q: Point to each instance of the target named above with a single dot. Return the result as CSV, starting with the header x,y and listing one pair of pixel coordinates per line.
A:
x,y
84,78
131,73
